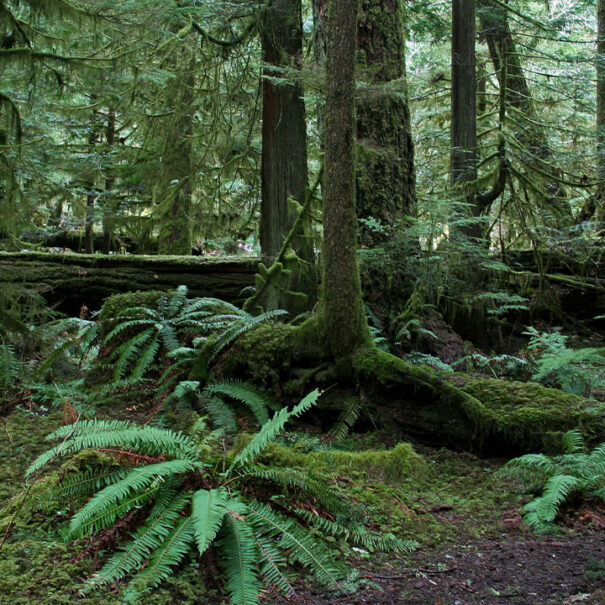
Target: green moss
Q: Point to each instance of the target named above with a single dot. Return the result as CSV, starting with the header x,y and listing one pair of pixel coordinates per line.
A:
x,y
532,415
380,465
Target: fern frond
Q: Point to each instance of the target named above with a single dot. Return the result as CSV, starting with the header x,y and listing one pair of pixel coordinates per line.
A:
x,y
273,427
145,440
132,323
573,442
220,413
530,467
240,555
148,539
302,546
86,482
103,509
177,300
169,337
299,482
207,512
9,366
245,393
171,552
273,563
241,327
348,417
129,351
542,511
146,359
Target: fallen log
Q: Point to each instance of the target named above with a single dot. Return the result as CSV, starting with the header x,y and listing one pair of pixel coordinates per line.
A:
x,y
68,281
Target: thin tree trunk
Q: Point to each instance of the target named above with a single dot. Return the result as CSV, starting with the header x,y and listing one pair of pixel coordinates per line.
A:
x,y
89,221
284,157
342,306
108,222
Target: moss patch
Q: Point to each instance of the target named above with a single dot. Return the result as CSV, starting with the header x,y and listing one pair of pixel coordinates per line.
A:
x,y
382,465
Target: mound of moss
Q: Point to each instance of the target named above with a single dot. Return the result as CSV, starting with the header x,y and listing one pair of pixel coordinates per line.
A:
x,y
531,416
389,466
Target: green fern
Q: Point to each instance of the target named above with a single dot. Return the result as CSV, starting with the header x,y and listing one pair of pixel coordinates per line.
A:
x,y
574,472
198,505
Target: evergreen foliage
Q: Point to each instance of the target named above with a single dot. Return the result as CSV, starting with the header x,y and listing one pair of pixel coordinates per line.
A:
x,y
576,472
198,506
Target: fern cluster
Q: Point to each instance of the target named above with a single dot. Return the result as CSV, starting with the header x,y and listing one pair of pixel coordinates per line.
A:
x,y
574,472
190,334
249,514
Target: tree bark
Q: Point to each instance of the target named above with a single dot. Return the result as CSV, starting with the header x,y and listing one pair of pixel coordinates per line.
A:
x,y
284,156
342,305
600,68
385,163
464,156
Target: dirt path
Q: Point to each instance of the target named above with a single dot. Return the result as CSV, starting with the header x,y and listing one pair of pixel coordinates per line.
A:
x,y
510,569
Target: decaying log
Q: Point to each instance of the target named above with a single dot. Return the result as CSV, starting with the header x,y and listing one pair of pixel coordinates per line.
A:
x,y
71,280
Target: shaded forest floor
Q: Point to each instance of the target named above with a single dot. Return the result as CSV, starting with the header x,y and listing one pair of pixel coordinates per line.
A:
x,y
473,545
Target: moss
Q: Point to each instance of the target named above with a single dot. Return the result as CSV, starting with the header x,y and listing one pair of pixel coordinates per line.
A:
x,y
380,465
534,416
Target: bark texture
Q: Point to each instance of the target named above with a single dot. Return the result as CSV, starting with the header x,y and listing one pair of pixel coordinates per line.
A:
x,y
343,312
600,65
385,164
284,153
464,156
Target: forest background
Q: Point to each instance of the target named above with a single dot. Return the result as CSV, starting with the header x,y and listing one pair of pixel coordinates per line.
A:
x,y
418,188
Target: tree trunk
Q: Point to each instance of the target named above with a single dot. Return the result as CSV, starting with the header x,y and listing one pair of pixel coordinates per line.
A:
x,y
600,66
175,182
385,162
108,222
342,305
464,156
535,155
91,196
284,157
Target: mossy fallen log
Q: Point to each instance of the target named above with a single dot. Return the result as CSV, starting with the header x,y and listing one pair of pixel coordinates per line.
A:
x,y
484,415
487,415
71,280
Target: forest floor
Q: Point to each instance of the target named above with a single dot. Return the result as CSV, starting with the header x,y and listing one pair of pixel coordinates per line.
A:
x,y
465,515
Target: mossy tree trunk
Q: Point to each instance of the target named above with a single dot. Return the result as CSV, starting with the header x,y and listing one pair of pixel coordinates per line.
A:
x,y
342,305
284,156
532,150
600,67
385,163
175,187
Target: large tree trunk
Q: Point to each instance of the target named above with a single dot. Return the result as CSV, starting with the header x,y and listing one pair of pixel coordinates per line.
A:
x,y
175,188
385,162
342,305
600,65
529,139
464,156
284,157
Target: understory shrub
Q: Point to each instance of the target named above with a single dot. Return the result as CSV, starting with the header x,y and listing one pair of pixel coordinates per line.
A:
x,y
575,472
